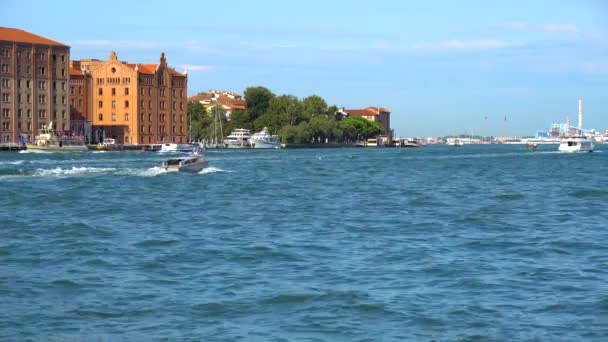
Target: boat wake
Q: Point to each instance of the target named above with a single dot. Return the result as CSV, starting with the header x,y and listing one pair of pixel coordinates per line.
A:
x,y
74,171
12,162
34,151
211,169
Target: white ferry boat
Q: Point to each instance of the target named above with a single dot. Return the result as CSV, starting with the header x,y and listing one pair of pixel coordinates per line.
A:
x,y
54,140
239,138
576,145
175,148
263,139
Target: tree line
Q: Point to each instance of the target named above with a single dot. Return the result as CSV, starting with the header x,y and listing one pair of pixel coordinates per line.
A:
x,y
296,121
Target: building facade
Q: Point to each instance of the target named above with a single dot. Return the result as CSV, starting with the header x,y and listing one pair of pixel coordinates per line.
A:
x,y
34,77
132,103
374,114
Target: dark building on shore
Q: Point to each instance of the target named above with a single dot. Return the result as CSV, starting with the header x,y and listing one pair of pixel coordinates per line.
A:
x,y
34,81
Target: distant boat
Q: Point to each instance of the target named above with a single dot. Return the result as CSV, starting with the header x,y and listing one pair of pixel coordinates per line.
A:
x,y
239,138
576,145
455,142
263,139
55,140
174,148
532,146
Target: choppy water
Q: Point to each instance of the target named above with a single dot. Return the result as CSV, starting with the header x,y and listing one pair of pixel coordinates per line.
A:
x,y
435,243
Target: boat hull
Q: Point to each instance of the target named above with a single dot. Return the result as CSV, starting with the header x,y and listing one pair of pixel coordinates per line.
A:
x,y
65,148
265,144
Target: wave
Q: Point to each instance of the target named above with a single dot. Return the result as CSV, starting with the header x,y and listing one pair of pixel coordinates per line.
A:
x,y
34,151
12,162
71,172
212,169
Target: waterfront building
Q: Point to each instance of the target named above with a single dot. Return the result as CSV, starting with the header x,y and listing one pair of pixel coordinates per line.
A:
x,y
228,101
33,85
374,114
131,102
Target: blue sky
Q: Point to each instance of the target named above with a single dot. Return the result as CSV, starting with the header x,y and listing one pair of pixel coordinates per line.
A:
x,y
439,66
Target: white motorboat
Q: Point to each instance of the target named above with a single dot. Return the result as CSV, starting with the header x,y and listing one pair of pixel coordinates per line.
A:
x,y
55,140
239,138
176,148
191,164
263,139
576,144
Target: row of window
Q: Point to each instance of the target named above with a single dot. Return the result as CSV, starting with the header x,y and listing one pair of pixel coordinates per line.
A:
x,y
161,129
100,104
100,116
41,84
141,140
113,91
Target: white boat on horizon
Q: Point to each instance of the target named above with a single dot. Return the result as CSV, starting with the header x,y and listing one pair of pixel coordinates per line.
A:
x,y
239,138
176,148
576,145
263,139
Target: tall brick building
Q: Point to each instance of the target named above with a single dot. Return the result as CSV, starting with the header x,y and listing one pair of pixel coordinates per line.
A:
x,y
132,103
34,75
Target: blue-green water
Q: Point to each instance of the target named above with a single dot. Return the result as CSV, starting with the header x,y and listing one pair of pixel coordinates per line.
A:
x,y
434,243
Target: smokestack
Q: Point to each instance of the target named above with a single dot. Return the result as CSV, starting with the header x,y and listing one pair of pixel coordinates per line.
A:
x,y
580,113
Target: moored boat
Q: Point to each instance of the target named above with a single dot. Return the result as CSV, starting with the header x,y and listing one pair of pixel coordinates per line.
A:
x,y
52,140
263,139
239,138
176,148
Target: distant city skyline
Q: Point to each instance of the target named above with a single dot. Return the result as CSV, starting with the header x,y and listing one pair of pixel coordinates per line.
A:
x,y
441,67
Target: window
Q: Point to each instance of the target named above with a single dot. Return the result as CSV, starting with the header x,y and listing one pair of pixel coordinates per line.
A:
x,y
143,117
162,92
62,72
63,114
62,85
4,53
149,104
41,71
162,104
80,90
63,58
72,90
100,104
113,104
149,117
100,91
181,93
27,84
141,91
29,98
126,91
4,68
41,85
5,83
6,112
113,91
29,113
63,100
149,129
149,91
126,116
6,97
142,130
174,105
100,117
79,103
141,103
113,117
126,104
54,115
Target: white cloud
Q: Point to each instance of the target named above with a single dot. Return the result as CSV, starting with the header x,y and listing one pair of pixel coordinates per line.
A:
x,y
118,44
194,67
464,45
549,27
559,28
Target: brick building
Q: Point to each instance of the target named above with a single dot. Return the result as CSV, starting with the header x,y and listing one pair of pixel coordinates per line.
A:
x,y
132,103
34,76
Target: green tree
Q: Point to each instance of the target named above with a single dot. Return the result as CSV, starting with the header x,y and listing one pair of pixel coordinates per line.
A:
x,y
257,100
356,127
312,106
198,120
239,119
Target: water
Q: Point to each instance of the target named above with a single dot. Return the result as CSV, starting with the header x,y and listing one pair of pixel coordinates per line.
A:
x,y
434,243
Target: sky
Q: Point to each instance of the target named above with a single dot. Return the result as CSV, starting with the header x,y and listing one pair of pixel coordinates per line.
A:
x,y
441,67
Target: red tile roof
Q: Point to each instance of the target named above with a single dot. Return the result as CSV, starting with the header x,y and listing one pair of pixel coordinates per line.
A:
x,y
150,68
224,100
75,72
370,111
16,35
